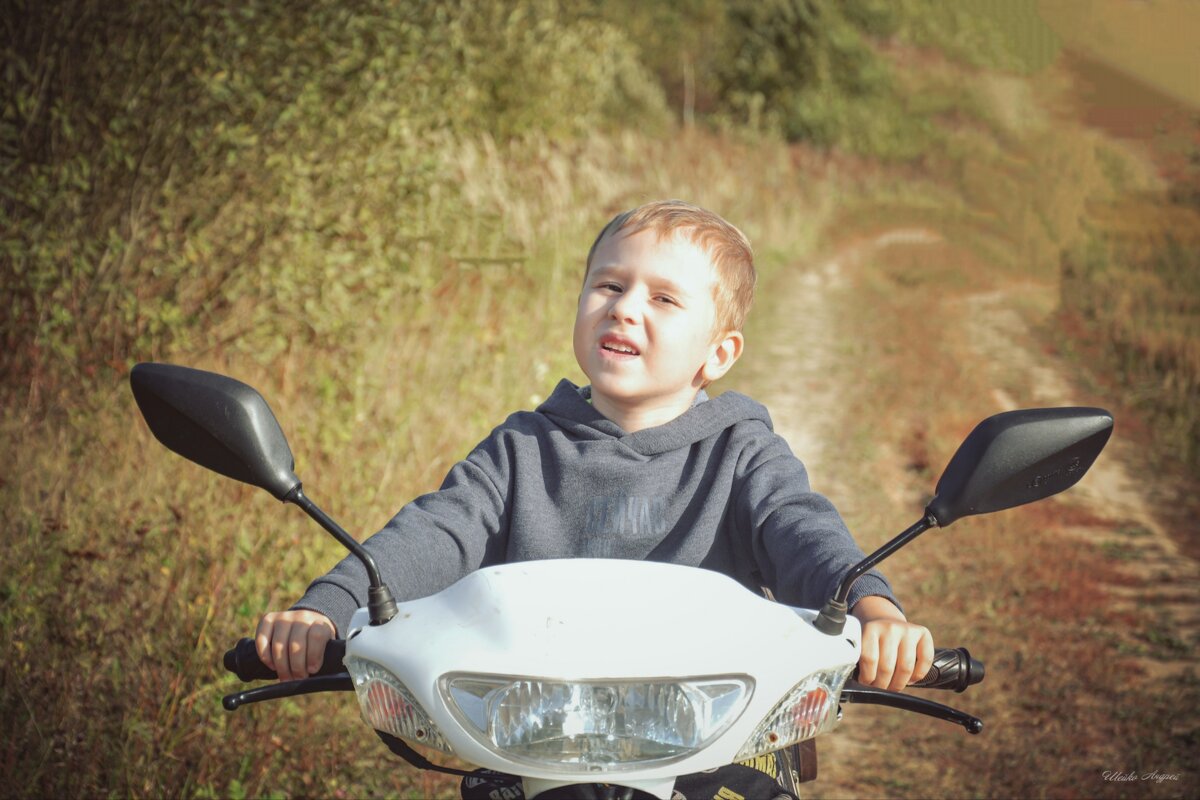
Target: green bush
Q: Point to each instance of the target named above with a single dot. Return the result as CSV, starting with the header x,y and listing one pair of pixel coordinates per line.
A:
x,y
255,171
1000,34
812,71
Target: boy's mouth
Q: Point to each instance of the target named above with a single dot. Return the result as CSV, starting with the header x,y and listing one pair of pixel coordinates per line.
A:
x,y
618,346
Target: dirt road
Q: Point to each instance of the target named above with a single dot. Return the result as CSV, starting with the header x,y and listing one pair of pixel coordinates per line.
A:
x,y
1145,593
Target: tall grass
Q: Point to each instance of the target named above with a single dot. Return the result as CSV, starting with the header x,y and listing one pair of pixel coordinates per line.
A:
x,y
1131,297
129,571
235,171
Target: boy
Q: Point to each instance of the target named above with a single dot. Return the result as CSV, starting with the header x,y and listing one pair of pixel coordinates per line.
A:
x,y
640,464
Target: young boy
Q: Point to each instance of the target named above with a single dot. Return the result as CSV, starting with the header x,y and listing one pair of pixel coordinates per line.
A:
x,y
640,464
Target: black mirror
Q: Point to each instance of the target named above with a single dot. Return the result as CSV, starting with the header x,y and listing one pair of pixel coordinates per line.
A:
x,y
217,422
1009,460
1018,457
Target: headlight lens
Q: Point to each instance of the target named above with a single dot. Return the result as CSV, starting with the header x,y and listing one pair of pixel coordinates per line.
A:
x,y
808,709
389,706
584,726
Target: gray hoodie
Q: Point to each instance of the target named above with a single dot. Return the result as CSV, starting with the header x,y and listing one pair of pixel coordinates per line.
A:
x,y
714,488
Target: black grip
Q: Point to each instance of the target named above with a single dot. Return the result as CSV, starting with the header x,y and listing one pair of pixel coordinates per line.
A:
x,y
243,661
951,669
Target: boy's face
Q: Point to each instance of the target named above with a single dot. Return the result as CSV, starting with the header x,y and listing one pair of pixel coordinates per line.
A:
x,y
644,329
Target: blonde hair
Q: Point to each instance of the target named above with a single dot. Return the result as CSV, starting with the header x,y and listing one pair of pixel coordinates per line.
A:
x,y
728,247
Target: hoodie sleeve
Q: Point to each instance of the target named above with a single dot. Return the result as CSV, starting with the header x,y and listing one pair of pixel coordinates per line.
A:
x,y
801,544
433,541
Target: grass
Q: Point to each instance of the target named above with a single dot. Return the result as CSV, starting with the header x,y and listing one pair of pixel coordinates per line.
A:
x,y
137,569
1134,290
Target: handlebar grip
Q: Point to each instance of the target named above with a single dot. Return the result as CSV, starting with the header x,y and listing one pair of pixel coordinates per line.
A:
x,y
951,669
243,661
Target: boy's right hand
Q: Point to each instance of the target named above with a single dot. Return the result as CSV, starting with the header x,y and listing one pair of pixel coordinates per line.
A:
x,y
293,642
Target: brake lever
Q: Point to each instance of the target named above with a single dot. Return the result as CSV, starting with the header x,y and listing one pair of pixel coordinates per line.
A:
x,y
855,692
277,691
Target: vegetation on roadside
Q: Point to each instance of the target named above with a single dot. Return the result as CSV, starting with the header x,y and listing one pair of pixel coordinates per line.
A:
x,y
1131,299
206,175
360,206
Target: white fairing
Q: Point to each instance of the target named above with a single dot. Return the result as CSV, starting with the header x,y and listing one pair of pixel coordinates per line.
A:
x,y
592,619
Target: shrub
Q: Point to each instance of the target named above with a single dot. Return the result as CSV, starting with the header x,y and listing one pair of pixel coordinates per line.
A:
x,y
230,170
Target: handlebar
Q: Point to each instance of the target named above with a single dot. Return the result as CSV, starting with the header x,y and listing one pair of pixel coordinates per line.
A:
x,y
952,669
243,661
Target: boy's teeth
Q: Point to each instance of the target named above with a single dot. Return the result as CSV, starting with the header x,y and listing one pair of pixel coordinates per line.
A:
x,y
619,348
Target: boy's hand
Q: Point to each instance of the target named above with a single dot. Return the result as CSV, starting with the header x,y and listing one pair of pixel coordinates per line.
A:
x,y
894,651
293,642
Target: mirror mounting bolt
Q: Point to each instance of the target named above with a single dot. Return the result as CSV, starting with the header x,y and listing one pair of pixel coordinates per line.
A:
x,y
380,604
832,619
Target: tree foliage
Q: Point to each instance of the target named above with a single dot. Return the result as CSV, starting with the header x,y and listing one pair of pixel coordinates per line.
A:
x,y
222,168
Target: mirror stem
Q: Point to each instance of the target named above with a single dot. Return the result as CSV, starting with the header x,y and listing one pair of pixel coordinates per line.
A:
x,y
832,619
380,603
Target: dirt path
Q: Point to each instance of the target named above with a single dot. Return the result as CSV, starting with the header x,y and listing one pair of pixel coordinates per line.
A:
x,y
801,382
1159,577
801,379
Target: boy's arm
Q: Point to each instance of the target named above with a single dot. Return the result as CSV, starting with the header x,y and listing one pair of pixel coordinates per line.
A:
x,y
804,550
801,545
429,544
895,652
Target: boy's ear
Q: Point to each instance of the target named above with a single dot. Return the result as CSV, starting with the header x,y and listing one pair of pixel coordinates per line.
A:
x,y
726,351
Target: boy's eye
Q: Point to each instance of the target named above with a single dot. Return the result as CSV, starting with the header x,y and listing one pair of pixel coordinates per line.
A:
x,y
665,298
608,286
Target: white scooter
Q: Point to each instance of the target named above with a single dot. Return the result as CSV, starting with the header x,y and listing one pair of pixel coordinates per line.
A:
x,y
587,672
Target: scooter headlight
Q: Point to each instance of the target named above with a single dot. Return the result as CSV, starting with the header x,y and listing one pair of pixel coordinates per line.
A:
x,y
387,705
810,708
586,726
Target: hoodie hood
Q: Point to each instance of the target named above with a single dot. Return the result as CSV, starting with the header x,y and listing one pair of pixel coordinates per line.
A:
x,y
569,407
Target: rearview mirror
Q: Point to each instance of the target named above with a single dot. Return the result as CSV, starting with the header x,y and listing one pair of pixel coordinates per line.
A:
x,y
218,422
1018,457
1009,460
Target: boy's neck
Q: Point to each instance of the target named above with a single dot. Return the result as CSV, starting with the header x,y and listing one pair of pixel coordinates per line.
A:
x,y
638,415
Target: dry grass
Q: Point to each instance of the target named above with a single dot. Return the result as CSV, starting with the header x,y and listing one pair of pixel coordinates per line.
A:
x,y
1131,299
128,571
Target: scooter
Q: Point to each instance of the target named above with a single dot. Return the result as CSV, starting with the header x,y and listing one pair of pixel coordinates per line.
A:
x,y
528,669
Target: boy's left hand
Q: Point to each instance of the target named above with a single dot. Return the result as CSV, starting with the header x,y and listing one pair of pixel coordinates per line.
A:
x,y
894,651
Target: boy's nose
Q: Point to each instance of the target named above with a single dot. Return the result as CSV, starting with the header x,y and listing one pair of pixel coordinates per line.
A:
x,y
626,308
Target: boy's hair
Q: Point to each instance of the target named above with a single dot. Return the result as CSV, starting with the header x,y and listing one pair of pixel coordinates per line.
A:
x,y
728,247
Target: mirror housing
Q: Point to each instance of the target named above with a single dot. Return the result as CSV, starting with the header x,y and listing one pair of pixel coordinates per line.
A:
x,y
1018,457
217,422
226,426
1009,460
